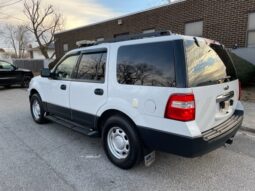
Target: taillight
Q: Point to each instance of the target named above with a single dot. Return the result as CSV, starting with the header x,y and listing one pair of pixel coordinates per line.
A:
x,y
240,90
181,107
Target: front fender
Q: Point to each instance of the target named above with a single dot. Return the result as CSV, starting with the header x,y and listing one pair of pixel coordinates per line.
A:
x,y
35,85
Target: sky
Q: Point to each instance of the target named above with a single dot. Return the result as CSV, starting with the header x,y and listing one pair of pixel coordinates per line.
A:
x,y
78,13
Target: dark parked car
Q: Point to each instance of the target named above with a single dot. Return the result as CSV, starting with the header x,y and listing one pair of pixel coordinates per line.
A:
x,y
10,75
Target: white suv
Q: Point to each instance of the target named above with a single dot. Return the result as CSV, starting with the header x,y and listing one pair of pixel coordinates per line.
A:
x,y
166,92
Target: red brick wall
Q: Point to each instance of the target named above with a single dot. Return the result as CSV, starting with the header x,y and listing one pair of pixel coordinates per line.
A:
x,y
224,20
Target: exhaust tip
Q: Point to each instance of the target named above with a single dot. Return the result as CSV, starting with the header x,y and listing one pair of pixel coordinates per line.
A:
x,y
229,141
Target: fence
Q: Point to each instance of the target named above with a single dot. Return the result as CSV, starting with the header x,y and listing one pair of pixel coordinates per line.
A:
x,y
33,65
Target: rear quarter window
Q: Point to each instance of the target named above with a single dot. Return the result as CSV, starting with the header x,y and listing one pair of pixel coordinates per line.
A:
x,y
150,64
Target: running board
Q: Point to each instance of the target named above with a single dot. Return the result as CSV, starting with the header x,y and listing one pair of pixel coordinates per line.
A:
x,y
72,125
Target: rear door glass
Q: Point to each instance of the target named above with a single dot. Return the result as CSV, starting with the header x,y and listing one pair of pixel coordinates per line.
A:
x,y
92,67
207,64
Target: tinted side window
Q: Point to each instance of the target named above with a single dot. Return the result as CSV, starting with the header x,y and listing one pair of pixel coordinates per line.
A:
x,y
5,66
65,68
92,67
146,64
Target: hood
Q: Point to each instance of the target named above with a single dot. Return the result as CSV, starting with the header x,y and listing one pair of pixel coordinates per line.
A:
x,y
24,70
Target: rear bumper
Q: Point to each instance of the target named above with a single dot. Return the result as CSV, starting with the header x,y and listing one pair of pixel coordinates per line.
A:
x,y
192,147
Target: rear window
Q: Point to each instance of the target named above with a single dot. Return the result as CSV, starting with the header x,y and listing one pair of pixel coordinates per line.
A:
x,y
207,64
149,64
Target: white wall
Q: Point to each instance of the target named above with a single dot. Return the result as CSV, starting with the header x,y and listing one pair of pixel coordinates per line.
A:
x,y
38,54
5,57
46,62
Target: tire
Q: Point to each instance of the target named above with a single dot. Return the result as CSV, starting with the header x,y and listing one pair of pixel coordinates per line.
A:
x,y
25,81
119,133
37,110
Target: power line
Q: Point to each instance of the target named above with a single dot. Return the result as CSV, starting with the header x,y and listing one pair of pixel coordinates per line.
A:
x,y
6,4
6,17
9,4
10,16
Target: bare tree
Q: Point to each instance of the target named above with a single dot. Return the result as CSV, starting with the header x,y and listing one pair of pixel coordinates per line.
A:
x,y
17,37
44,23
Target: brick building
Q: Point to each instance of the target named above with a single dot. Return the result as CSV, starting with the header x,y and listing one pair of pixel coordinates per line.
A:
x,y
232,22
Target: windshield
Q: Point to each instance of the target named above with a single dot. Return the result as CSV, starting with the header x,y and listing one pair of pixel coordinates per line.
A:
x,y
5,66
207,64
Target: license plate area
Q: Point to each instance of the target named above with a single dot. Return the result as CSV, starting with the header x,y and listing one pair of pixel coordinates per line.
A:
x,y
225,105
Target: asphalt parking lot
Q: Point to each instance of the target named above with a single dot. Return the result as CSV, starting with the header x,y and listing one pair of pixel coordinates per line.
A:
x,y
51,157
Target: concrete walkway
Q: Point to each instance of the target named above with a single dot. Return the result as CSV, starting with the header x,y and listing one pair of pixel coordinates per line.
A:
x,y
50,157
249,116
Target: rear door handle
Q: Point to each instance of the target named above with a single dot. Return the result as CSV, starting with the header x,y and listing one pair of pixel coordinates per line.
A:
x,y
63,87
99,91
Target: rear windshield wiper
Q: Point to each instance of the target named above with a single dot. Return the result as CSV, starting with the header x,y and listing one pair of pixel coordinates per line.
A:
x,y
196,42
227,78
219,81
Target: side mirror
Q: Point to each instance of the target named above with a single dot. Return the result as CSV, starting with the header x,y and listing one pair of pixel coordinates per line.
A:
x,y
45,73
14,68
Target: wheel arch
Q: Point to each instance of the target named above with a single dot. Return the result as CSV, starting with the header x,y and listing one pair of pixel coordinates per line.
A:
x,y
111,112
32,92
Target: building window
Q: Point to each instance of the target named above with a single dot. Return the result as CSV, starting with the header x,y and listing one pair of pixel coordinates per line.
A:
x,y
120,34
194,28
149,31
100,39
120,22
65,47
251,30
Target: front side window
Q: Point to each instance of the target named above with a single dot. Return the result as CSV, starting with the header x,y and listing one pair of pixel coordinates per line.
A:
x,y
65,69
207,64
5,66
92,67
149,64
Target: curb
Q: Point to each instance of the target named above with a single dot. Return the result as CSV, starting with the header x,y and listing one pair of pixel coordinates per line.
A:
x,y
248,129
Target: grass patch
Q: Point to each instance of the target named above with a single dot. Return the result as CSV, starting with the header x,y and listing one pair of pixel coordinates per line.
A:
x,y
245,70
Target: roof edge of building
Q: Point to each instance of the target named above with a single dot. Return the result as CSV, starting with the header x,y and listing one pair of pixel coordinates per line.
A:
x,y
120,17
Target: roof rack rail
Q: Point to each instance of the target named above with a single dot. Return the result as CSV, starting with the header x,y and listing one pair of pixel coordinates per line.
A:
x,y
137,36
87,43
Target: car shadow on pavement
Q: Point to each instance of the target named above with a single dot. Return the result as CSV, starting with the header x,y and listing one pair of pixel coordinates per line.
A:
x,y
81,160
2,88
